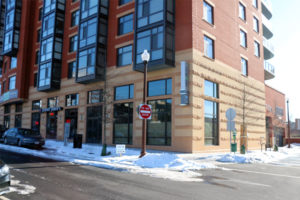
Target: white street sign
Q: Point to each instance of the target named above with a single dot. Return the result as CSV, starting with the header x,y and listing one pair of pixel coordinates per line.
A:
x,y
230,114
120,149
230,125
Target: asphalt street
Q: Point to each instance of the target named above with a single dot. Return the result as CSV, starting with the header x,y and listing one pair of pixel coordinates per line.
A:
x,y
49,179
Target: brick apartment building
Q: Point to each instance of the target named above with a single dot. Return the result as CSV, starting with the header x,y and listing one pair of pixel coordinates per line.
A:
x,y
63,58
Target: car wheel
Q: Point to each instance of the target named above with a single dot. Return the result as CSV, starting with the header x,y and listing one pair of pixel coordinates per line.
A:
x,y
5,141
19,143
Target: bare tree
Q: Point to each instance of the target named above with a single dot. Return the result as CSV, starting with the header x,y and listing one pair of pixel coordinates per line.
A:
x,y
108,118
247,112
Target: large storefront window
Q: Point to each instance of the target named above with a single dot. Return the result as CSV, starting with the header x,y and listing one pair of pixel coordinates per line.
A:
x,y
94,124
211,114
123,117
159,130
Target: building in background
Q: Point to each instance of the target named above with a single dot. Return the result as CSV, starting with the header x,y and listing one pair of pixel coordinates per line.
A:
x,y
75,54
295,131
276,127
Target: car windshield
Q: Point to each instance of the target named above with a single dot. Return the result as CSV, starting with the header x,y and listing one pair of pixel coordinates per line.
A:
x,y
28,132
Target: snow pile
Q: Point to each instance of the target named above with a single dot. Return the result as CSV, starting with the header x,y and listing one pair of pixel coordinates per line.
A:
x,y
175,166
154,163
170,161
262,157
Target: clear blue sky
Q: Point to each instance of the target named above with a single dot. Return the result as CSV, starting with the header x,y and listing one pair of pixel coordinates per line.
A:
x,y
286,41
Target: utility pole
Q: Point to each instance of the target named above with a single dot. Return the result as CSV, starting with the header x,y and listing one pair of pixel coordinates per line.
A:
x,y
288,115
145,57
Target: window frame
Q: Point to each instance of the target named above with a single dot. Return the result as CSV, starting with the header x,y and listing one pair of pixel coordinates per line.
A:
x,y
244,66
12,81
243,38
89,95
13,60
166,88
123,2
255,24
206,12
256,49
69,104
120,55
129,96
243,14
72,73
73,43
124,22
167,136
129,117
75,16
212,44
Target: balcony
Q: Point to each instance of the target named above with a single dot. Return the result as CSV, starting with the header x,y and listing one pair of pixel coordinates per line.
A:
x,y
268,49
267,28
269,70
266,8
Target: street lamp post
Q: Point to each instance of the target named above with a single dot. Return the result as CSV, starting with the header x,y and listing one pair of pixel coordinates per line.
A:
x,y
145,58
288,115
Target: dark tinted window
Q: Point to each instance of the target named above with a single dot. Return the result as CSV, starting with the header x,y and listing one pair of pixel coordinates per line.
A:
x,y
160,87
75,18
36,105
125,55
73,43
123,117
28,132
121,2
124,92
72,69
126,24
159,128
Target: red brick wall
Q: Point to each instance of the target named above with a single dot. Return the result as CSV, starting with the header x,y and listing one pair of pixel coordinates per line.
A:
x,y
226,29
275,98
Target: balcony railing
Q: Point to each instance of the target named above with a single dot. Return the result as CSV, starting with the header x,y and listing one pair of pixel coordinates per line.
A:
x,y
268,49
269,70
266,8
267,28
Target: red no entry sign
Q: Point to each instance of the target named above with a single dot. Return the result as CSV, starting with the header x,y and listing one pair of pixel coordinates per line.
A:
x,y
145,111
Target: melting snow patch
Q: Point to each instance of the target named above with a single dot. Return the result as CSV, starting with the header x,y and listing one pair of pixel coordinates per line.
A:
x,y
19,188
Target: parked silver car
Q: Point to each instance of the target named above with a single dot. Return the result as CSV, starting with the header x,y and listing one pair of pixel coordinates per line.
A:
x,y
23,137
4,177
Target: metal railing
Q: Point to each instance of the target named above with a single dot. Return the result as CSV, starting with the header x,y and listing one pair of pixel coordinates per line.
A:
x,y
269,67
268,44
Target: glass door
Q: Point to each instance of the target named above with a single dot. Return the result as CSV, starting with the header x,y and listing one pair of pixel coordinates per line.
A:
x,y
94,124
